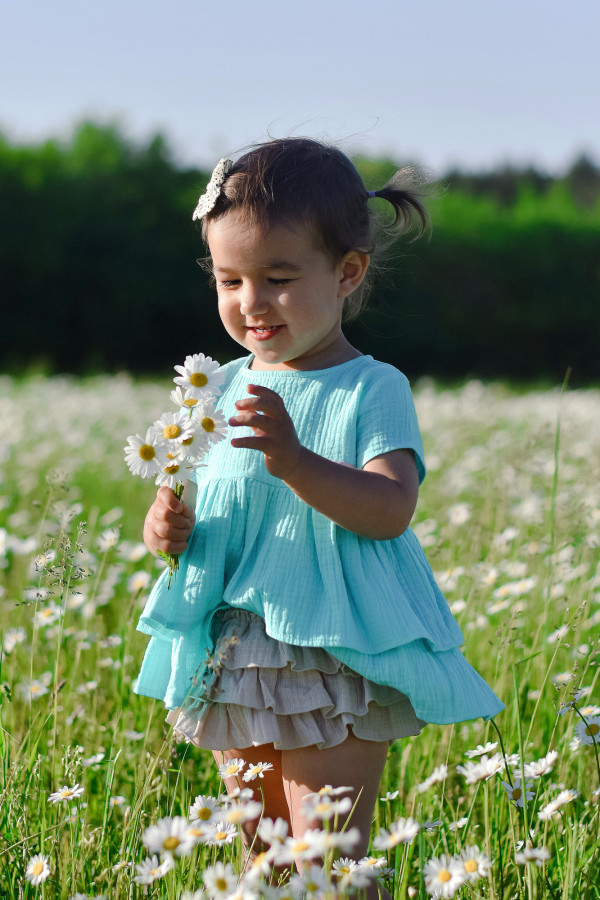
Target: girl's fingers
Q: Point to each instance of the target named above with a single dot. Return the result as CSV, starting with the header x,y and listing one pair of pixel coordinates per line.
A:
x,y
254,420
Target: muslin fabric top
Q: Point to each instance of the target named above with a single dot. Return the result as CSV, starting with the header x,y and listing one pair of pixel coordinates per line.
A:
x,y
374,605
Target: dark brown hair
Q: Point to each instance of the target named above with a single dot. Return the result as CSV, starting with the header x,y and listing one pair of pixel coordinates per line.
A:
x,y
299,179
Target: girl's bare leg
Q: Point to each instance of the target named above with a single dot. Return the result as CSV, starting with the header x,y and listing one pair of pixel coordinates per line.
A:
x,y
354,763
270,788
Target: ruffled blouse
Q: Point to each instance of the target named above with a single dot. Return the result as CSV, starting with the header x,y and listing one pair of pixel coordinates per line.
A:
x,y
374,605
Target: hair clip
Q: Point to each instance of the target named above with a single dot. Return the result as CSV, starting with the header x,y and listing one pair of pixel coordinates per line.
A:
x,y
213,189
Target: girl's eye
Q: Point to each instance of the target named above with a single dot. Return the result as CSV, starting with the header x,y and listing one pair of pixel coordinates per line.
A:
x,y
280,281
231,283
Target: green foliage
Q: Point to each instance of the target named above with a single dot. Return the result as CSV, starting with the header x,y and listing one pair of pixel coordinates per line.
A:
x,y
97,254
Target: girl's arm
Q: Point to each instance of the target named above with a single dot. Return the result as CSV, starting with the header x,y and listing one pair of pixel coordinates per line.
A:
x,y
377,501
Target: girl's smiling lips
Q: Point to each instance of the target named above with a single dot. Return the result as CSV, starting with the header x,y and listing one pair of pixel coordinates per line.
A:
x,y
264,332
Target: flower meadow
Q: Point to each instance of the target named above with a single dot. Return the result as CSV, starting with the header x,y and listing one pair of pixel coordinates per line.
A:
x,y
99,798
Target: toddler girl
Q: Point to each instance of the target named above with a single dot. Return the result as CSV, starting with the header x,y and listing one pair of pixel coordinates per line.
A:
x,y
299,548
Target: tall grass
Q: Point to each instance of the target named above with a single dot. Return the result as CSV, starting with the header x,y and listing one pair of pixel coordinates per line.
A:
x,y
510,519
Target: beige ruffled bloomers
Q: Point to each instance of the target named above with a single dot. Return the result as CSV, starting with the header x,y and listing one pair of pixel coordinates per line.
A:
x,y
269,692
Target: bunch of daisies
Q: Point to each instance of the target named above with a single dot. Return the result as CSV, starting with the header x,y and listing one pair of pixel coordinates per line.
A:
x,y
177,443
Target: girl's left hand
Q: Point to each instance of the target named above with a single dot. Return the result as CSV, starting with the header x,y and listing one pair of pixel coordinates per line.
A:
x,y
274,432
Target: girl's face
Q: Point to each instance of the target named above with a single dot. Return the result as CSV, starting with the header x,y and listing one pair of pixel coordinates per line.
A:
x,y
281,297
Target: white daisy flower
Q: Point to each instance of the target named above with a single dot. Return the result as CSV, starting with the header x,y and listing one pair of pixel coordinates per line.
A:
x,y
231,768
257,771
237,813
66,793
273,832
588,732
350,875
220,880
313,880
482,750
145,456
173,473
48,614
475,864
482,770
93,760
237,793
261,866
183,399
391,795
460,823
151,870
139,581
193,895
401,832
204,809
173,428
443,876
541,766
342,841
311,844
440,773
537,855
198,831
38,869
325,807
328,791
13,637
200,376
219,833
169,835
372,862
212,422
516,793
552,808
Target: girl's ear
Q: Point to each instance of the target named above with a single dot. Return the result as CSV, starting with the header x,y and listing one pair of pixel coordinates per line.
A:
x,y
353,268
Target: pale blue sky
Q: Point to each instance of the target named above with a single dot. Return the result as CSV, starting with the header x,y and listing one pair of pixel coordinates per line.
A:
x,y
465,82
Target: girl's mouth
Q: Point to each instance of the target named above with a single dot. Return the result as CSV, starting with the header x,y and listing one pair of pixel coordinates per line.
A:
x,y
265,332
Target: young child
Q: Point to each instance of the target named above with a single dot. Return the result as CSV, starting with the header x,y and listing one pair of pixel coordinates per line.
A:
x,y
300,546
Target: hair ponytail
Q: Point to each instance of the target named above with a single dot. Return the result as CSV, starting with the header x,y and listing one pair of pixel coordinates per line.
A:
x,y
410,213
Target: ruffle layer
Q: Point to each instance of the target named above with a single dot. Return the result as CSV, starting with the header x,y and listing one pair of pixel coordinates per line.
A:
x,y
288,696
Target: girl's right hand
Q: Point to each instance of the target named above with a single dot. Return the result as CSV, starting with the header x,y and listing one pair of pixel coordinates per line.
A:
x,y
168,524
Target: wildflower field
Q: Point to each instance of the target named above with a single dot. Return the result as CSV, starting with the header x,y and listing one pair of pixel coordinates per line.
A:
x,y
98,797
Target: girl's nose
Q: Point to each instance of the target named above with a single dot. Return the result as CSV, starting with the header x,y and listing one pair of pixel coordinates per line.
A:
x,y
253,302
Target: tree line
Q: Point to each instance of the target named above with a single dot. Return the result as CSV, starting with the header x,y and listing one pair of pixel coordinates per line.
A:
x,y
98,259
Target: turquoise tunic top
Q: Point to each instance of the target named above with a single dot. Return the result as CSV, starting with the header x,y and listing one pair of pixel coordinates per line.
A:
x,y
374,605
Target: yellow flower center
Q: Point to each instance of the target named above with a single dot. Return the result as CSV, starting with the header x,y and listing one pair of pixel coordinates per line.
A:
x,y
259,860
191,401
516,793
196,832
198,379
220,835
170,470
592,729
204,814
221,884
299,846
344,870
38,867
311,887
231,770
147,452
35,688
188,441
171,843
470,865
444,876
171,431
208,424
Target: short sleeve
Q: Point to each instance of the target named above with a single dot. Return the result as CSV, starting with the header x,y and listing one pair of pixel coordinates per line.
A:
x,y
387,419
